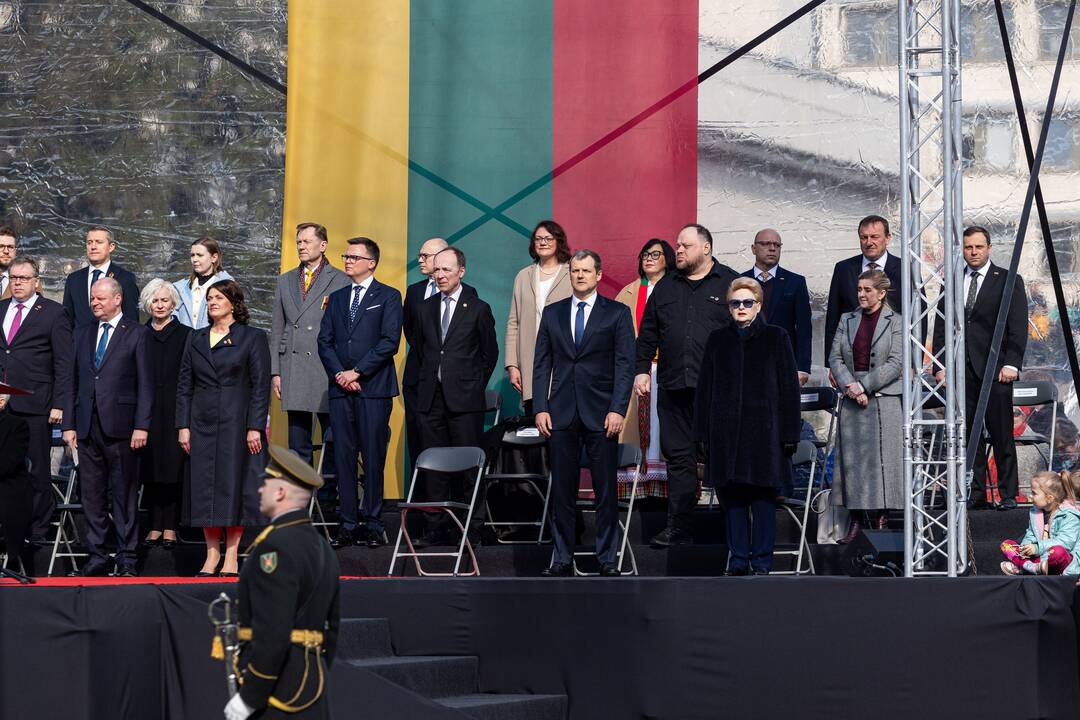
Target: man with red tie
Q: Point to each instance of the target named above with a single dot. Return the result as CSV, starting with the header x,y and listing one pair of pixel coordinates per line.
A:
x,y
35,354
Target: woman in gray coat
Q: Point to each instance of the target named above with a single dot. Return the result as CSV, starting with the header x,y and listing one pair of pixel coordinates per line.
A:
x,y
866,361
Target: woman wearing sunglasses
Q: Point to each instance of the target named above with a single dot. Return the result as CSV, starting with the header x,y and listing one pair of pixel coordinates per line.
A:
x,y
747,418
866,359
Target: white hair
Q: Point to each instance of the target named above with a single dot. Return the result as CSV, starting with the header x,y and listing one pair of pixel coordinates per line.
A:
x,y
150,290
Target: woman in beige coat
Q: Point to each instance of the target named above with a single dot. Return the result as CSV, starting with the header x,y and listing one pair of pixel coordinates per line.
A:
x,y
536,286
654,260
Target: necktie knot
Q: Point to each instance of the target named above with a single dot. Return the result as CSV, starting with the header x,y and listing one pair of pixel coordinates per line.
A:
x,y
765,276
873,266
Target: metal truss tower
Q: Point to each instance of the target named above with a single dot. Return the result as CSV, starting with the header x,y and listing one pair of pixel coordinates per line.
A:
x,y
935,515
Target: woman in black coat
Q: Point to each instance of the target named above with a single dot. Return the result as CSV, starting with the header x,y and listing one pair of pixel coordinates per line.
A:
x,y
221,405
163,463
747,416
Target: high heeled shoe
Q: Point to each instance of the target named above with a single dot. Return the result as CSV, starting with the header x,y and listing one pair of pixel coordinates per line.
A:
x,y
155,542
852,533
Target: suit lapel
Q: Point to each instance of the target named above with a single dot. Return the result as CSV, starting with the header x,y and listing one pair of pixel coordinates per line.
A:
x,y
295,279
117,335
201,344
317,289
370,296
30,317
594,317
458,318
882,325
770,303
990,289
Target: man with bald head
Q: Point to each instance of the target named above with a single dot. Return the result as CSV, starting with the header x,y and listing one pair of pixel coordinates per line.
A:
x,y
415,295
114,393
786,301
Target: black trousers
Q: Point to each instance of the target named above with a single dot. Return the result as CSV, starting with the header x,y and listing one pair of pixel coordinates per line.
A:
x,y
301,430
109,468
44,501
162,501
999,424
603,453
361,425
751,525
439,427
675,409
16,503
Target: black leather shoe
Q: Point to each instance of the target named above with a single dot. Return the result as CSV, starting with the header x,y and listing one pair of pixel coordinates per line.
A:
x,y
375,538
558,570
38,541
1007,504
756,571
978,504
126,571
202,573
610,570
670,537
430,539
147,542
167,544
91,571
737,572
344,538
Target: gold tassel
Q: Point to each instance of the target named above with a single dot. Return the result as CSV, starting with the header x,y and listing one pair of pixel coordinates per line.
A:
x,y
217,650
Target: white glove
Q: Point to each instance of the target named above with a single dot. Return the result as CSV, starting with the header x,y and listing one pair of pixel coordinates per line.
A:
x,y
237,709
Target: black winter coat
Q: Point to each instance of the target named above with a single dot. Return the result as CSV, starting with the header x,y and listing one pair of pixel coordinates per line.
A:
x,y
747,405
164,460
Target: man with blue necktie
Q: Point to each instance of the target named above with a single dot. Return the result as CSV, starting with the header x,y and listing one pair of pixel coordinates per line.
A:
x,y
360,333
100,245
585,355
114,394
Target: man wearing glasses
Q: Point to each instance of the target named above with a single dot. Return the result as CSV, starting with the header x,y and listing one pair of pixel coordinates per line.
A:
x,y
36,355
415,295
295,370
8,243
786,301
359,335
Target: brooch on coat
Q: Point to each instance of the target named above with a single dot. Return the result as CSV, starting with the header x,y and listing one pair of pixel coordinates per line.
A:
x,y
325,302
227,341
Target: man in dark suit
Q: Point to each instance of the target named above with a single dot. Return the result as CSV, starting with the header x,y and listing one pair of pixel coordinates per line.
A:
x,y
114,394
360,333
100,246
984,286
786,299
585,354
16,491
874,237
35,355
457,351
9,245
415,295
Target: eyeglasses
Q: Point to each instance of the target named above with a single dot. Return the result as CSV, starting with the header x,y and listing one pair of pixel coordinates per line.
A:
x,y
769,245
22,278
7,247
653,255
424,256
354,258
745,304
543,239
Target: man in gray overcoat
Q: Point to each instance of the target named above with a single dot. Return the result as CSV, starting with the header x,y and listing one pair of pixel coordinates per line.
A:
x,y
296,372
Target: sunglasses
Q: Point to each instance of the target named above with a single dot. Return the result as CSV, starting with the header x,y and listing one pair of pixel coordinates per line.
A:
x,y
736,304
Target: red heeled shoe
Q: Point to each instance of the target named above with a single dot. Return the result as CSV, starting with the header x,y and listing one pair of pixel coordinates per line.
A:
x,y
853,531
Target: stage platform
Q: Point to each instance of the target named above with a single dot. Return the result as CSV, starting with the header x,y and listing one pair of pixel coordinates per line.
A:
x,y
581,648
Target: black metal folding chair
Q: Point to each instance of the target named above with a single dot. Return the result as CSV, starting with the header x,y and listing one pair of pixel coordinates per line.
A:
x,y
629,459
442,460
1036,394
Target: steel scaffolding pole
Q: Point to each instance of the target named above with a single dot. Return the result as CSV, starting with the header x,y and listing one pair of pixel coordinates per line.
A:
x,y
931,222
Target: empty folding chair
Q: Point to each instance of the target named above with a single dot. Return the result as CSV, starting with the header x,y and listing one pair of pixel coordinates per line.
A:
x,y
318,519
442,460
67,534
1037,394
629,459
799,511
540,483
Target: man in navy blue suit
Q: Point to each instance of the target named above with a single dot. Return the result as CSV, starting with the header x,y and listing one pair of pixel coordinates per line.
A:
x,y
114,394
100,245
583,373
787,301
360,333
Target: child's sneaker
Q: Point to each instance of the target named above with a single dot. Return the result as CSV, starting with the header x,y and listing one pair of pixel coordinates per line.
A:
x,y
1009,568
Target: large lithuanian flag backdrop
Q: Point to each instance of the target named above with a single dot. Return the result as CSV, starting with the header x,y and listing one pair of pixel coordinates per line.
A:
x,y
474,119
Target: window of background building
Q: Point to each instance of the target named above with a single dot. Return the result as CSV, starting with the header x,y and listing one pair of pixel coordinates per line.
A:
x,y
1062,144
980,39
1051,25
870,36
989,144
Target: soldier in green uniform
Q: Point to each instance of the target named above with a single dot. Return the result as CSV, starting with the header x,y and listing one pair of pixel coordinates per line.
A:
x,y
288,604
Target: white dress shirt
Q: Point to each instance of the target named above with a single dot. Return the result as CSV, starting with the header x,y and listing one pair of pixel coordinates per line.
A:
x,y
5,282
112,331
90,276
431,288
9,316
880,262
589,302
970,274
365,285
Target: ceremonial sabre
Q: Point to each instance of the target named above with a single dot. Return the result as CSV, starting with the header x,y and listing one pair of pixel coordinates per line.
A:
x,y
222,614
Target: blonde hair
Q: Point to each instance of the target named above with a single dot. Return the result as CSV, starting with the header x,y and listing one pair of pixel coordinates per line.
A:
x,y
1060,485
745,283
878,280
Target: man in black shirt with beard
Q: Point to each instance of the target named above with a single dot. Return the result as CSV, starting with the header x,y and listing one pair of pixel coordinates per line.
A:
x,y
685,307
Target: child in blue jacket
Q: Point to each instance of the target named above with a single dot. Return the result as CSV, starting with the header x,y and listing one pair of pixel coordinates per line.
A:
x,y
1051,545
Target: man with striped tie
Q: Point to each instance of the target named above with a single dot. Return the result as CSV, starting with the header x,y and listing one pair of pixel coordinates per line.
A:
x,y
359,335
114,395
